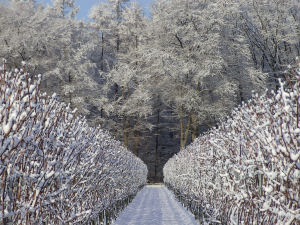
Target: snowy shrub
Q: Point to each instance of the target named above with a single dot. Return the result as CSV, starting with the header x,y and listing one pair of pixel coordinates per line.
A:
x,y
54,168
247,170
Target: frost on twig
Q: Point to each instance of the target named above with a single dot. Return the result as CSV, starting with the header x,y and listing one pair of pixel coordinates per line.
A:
x,y
54,168
246,171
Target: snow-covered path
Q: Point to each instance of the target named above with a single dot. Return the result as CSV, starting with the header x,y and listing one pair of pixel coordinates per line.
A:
x,y
155,205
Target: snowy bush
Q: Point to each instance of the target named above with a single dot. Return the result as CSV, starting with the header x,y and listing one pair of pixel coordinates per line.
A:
x,y
247,170
54,168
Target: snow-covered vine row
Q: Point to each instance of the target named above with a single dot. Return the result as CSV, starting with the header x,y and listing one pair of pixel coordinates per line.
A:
x,y
54,168
247,170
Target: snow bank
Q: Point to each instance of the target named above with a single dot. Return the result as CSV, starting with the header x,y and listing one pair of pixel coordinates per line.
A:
x,y
246,171
54,168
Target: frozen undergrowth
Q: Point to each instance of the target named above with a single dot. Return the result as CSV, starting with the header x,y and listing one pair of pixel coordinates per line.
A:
x,y
246,171
54,168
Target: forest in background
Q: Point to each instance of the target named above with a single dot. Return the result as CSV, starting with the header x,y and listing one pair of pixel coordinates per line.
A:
x,y
154,82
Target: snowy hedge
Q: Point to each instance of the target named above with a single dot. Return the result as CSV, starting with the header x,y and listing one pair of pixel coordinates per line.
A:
x,y
246,171
54,168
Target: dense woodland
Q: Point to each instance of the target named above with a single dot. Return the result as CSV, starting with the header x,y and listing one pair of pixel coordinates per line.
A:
x,y
173,73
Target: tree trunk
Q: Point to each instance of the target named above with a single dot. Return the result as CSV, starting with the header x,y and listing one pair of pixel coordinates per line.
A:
x,y
136,143
125,132
102,52
156,145
124,123
184,131
70,94
194,127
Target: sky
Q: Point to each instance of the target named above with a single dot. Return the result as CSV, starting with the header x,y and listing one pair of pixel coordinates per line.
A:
x,y
85,6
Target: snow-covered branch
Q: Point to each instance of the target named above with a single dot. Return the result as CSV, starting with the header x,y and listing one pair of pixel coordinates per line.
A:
x,y
54,168
246,171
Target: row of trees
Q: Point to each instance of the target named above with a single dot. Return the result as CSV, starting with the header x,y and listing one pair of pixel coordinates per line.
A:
x,y
54,167
247,170
189,64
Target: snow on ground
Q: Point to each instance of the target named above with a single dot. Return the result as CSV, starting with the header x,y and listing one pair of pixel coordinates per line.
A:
x,y
155,205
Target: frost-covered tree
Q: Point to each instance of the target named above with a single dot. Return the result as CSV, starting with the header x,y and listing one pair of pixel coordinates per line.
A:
x,y
64,50
107,17
272,29
193,51
102,19
15,43
130,101
65,8
236,52
121,28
